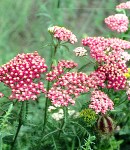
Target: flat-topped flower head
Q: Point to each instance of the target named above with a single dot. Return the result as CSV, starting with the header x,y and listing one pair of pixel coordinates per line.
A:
x,y
19,75
124,5
100,102
114,72
102,49
59,69
68,87
117,22
80,51
96,79
63,34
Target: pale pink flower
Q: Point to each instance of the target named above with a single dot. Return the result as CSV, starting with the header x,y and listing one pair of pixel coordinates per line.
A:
x,y
117,22
63,34
100,102
124,5
80,51
19,75
125,56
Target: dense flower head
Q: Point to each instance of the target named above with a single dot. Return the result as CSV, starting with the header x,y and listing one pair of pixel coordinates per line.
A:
x,y
102,48
117,22
69,85
100,102
96,78
89,116
63,34
19,74
124,5
80,51
59,69
114,72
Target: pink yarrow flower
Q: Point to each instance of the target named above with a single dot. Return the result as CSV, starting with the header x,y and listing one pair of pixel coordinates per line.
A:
x,y
117,22
63,34
102,49
114,72
68,86
19,74
124,5
96,79
100,102
59,69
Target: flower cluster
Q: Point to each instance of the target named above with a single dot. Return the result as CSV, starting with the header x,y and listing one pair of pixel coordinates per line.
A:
x,y
102,49
96,78
117,22
124,5
19,74
100,102
68,86
114,72
80,51
59,69
63,34
88,115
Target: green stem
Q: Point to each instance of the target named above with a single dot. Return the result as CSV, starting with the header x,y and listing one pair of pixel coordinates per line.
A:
x,y
1,143
65,109
53,53
18,128
58,4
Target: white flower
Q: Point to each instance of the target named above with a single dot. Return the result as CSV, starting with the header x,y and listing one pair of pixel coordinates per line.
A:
x,y
50,108
80,51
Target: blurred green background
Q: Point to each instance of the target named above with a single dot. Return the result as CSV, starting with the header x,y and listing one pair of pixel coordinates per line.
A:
x,y
24,23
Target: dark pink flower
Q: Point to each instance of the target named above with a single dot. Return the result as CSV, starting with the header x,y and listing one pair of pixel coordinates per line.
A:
x,y
20,74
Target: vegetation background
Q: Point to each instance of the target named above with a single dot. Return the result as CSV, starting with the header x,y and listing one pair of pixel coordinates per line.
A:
x,y
23,28
24,23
